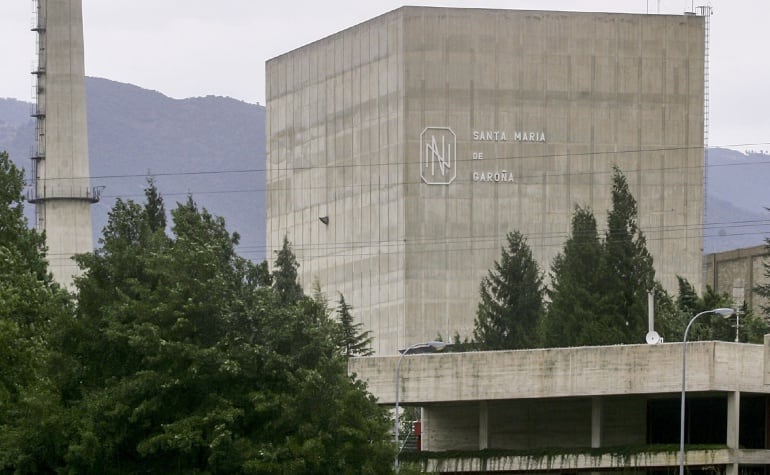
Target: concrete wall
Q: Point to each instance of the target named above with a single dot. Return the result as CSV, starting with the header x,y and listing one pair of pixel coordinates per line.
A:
x,y
335,149
741,269
450,427
531,424
603,90
351,120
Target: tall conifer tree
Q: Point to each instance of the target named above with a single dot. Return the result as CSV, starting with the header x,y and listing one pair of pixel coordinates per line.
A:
x,y
285,274
355,342
575,290
511,299
626,270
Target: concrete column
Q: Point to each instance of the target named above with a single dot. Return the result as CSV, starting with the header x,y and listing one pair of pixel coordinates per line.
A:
x,y
733,429
425,421
766,362
483,425
597,417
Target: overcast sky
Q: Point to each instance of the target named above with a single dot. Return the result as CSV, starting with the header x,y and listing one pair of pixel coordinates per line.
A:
x,y
186,48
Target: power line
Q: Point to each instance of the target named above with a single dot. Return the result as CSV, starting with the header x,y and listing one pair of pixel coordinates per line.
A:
x,y
488,241
400,163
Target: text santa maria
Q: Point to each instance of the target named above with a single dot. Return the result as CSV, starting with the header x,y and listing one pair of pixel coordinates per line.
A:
x,y
502,136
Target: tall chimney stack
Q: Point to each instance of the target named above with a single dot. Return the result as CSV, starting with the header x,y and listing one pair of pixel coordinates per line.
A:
x,y
61,192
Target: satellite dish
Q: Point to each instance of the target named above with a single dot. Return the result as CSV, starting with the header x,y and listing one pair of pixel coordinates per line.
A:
x,y
653,338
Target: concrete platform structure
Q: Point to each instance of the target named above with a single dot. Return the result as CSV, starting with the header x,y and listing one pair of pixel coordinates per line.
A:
x,y
402,150
737,273
61,193
591,408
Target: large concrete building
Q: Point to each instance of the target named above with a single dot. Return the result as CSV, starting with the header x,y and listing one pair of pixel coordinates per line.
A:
x,y
402,150
61,192
589,409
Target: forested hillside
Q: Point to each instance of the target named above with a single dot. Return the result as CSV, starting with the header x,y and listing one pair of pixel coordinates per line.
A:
x,y
210,147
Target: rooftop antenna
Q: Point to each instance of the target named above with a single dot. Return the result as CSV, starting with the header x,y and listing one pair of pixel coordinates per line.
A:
x,y
648,7
652,337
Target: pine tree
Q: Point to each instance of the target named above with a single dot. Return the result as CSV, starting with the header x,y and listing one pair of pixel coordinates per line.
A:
x,y
285,274
511,299
154,208
354,342
626,269
687,300
571,319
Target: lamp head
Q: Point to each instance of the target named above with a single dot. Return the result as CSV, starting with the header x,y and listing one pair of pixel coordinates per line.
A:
x,y
725,312
425,347
437,345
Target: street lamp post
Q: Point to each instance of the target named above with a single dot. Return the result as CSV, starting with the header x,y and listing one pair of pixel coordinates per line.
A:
x,y
433,345
725,312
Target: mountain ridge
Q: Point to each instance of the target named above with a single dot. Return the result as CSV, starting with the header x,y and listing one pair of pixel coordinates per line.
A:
x,y
135,133
213,148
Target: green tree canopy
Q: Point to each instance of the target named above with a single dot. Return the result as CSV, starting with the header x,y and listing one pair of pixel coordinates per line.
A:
x,y
181,360
599,287
354,341
627,270
751,327
284,276
511,299
29,302
576,288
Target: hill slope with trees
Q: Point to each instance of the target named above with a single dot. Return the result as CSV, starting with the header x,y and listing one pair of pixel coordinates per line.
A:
x,y
210,147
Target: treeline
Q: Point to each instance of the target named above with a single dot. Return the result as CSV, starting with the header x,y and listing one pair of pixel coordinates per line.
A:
x,y
598,291
174,356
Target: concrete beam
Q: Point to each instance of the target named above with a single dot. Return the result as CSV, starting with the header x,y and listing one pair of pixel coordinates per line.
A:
x,y
572,462
564,372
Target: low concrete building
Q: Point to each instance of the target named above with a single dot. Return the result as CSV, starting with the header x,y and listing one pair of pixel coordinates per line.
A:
x,y
584,409
737,273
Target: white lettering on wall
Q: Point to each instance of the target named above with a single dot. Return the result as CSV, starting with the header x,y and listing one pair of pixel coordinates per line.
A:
x,y
502,176
500,136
